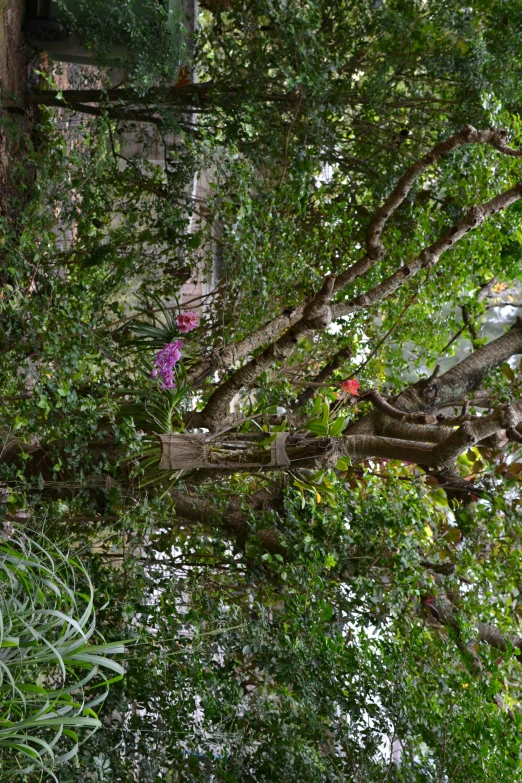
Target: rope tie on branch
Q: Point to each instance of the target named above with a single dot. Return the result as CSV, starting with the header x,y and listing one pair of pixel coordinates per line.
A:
x,y
189,451
279,457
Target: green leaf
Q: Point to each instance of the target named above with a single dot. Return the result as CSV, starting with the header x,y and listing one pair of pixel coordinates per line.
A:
x,y
338,426
317,428
325,413
9,641
508,372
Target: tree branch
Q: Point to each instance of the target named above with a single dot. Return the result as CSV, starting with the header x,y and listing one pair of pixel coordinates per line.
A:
x,y
464,377
446,614
375,250
337,360
232,519
430,256
316,315
270,331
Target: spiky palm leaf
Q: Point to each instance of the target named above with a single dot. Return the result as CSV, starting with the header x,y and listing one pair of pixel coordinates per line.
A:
x,y
50,670
157,330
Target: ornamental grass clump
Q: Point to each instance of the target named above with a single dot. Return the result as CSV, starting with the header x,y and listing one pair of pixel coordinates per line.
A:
x,y
53,674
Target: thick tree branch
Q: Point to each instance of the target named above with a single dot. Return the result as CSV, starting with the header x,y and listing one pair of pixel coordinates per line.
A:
x,y
464,377
316,315
390,428
232,519
322,452
226,357
117,96
506,417
375,250
430,256
444,611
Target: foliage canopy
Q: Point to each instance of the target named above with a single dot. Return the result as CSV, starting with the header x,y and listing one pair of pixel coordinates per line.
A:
x,y
312,538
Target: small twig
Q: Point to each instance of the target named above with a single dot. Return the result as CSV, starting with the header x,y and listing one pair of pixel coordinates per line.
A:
x,y
111,138
333,365
453,339
483,292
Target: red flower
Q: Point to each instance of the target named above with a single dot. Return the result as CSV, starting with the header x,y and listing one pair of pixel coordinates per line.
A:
x,y
351,386
183,77
186,322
